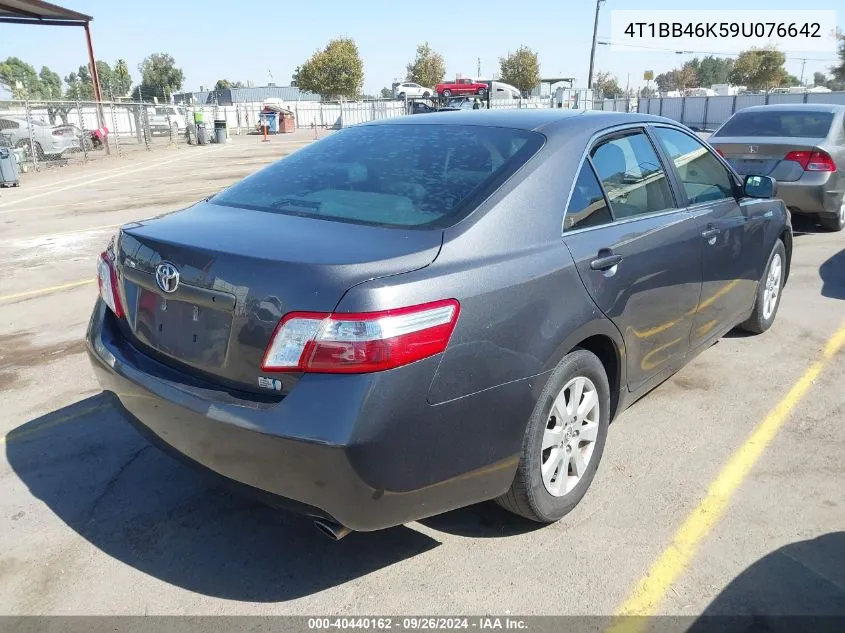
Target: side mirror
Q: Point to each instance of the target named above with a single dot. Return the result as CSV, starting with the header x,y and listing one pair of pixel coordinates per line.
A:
x,y
760,187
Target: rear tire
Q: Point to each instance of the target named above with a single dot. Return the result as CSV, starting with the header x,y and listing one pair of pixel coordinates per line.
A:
x,y
769,291
579,418
447,93
426,94
482,92
402,96
835,221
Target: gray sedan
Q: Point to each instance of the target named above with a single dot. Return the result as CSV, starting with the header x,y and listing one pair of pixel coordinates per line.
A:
x,y
45,141
802,146
459,304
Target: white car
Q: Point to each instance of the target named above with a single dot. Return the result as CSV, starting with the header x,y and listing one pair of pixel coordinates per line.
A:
x,y
409,89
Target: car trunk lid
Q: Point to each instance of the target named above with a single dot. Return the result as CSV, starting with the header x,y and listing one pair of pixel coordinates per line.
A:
x,y
239,271
765,156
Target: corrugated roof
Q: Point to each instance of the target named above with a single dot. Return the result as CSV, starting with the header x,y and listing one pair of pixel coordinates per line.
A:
x,y
246,95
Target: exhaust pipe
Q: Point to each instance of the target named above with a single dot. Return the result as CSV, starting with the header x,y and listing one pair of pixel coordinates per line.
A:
x,y
335,531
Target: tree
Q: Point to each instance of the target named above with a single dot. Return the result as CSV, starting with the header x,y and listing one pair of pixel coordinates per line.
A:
x,y
606,85
20,79
759,68
427,69
790,80
819,79
334,72
687,76
51,89
160,76
666,82
386,93
121,79
647,92
223,84
521,69
713,70
839,71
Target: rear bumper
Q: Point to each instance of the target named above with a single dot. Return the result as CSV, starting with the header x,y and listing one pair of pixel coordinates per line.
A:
x,y
365,450
814,193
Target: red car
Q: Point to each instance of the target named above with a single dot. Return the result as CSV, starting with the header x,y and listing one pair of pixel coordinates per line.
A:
x,y
461,87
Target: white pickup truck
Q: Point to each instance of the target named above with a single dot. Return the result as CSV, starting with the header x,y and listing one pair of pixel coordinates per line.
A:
x,y
166,119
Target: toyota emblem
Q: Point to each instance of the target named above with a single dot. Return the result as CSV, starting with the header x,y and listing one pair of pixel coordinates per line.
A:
x,y
167,277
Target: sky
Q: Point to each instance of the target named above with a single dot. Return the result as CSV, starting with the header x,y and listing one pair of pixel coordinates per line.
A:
x,y
253,41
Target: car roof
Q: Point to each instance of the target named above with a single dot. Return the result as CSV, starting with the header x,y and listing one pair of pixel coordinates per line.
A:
x,y
793,107
537,119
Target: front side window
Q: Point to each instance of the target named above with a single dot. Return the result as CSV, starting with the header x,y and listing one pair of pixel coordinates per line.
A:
x,y
403,175
702,175
632,176
586,205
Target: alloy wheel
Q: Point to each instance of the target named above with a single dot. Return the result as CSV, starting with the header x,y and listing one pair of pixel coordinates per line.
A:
x,y
772,289
569,438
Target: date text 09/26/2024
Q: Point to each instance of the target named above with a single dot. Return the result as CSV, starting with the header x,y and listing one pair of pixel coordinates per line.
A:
x,y
417,623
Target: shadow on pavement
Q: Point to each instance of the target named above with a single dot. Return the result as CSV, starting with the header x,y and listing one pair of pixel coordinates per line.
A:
x,y
832,273
483,520
146,510
799,587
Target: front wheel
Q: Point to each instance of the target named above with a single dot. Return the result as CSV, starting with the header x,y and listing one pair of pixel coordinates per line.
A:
x,y
768,292
402,96
834,221
426,94
564,441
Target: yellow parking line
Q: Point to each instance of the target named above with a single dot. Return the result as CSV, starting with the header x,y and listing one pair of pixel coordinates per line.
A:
x,y
650,591
17,434
44,291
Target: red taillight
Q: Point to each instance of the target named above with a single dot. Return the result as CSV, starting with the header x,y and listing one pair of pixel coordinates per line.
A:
x,y
812,161
360,342
107,282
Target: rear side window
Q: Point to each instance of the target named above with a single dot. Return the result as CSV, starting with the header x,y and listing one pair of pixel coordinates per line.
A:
x,y
587,206
406,175
703,177
778,123
632,176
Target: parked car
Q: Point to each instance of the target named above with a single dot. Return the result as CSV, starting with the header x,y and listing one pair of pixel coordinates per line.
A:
x,y
461,87
410,89
167,119
465,103
46,141
802,146
466,300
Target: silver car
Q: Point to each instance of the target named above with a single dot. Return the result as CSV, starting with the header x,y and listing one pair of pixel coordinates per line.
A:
x,y
802,146
47,141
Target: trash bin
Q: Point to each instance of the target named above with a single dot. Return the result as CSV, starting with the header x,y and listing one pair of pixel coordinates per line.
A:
x,y
191,134
288,124
220,130
9,176
271,120
202,136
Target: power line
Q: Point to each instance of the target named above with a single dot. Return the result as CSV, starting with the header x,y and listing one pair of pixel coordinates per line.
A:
x,y
718,54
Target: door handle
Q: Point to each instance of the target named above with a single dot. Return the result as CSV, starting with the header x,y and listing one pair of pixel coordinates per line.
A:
x,y
710,233
605,262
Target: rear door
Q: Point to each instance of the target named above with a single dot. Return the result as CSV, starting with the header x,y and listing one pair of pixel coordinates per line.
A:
x,y
638,254
732,238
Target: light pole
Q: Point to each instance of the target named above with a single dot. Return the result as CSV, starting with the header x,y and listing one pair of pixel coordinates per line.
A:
x,y
593,50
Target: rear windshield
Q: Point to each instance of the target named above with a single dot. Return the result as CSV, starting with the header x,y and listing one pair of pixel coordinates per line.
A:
x,y
784,123
410,176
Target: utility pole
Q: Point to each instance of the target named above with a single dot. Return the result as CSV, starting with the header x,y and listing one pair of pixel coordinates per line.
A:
x,y
478,74
593,51
803,63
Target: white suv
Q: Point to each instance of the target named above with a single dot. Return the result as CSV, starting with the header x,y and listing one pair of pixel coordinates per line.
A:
x,y
408,89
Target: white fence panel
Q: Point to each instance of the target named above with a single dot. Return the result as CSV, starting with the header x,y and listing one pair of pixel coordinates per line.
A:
x,y
694,110
826,97
719,110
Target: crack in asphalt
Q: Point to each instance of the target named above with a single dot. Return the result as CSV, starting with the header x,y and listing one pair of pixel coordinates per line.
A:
x,y
111,483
